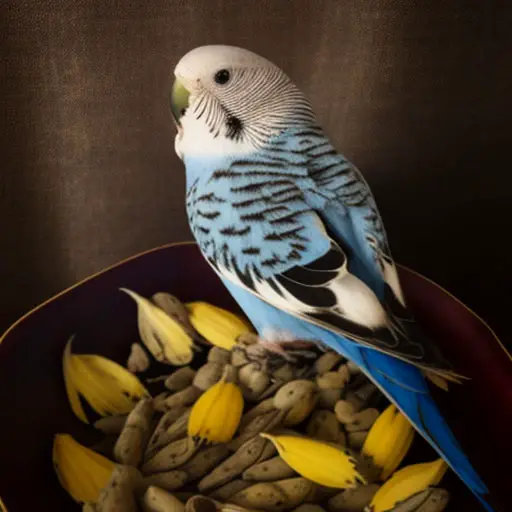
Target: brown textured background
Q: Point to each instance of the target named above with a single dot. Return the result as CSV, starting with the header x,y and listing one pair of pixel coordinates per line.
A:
x,y
417,94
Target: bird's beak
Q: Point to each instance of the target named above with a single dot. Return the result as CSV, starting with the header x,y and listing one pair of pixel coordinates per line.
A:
x,y
179,100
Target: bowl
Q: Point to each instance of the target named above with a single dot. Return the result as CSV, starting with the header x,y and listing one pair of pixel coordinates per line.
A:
x,y
103,320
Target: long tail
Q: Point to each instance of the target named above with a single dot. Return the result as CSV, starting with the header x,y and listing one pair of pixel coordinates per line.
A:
x,y
405,386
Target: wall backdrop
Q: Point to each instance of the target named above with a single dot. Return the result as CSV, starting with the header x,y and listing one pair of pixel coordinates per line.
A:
x,y
417,94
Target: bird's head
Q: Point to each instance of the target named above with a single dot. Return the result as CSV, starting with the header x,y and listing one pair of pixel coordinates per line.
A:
x,y
228,100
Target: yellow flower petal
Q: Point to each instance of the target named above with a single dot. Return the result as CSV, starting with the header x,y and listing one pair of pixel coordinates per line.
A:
x,y
406,482
218,326
71,390
400,450
164,337
106,386
217,413
379,429
389,440
81,471
318,461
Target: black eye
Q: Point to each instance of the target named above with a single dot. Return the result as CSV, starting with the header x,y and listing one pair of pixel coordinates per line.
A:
x,y
222,76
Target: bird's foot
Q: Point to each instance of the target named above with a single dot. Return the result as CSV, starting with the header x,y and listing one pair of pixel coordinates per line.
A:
x,y
290,350
287,347
273,349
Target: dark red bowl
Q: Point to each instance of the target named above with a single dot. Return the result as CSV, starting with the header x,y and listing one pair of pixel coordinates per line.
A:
x,y
102,318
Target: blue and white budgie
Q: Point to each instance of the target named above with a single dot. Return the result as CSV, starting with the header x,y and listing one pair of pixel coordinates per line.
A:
x,y
294,232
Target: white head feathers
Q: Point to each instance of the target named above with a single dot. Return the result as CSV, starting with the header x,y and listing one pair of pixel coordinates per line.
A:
x,y
203,62
238,101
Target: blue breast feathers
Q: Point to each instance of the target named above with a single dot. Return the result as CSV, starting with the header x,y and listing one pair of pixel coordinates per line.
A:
x,y
252,209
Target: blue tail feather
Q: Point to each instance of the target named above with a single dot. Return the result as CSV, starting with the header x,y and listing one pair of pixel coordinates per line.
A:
x,y
405,386
403,383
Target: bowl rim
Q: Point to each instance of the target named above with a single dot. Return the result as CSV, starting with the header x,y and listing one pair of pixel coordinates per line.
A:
x,y
14,325
35,309
41,305
47,301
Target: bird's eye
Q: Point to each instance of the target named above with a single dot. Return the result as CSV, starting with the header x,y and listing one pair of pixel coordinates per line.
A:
x,y
222,76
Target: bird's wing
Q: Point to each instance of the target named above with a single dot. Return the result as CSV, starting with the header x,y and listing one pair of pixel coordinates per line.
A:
x,y
287,256
346,205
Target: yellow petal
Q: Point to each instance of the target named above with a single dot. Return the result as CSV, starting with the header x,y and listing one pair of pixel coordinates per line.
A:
x,y
318,461
164,337
94,390
406,482
403,441
217,413
218,326
374,440
71,390
81,471
105,385
233,406
389,440
116,375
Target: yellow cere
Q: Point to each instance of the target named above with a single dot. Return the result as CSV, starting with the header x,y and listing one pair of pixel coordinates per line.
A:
x,y
108,387
218,326
81,471
179,99
317,461
389,440
164,337
407,482
217,413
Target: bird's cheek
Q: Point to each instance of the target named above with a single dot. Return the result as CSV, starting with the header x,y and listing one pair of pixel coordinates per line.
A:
x,y
177,144
180,100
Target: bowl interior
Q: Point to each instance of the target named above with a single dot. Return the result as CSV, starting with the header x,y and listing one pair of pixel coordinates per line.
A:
x,y
103,320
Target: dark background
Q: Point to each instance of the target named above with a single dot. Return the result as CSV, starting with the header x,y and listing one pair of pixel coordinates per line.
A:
x,y
416,94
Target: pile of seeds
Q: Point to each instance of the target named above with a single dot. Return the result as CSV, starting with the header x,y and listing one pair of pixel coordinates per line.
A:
x,y
247,470
329,400
255,428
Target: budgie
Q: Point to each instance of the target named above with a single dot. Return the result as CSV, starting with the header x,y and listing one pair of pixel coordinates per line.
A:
x,y
294,232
